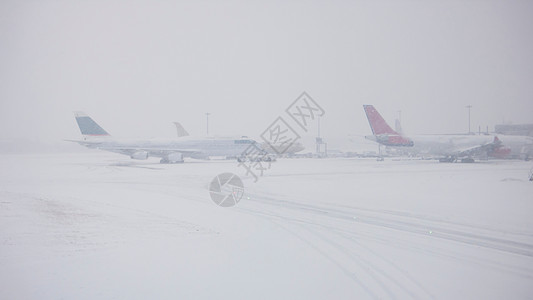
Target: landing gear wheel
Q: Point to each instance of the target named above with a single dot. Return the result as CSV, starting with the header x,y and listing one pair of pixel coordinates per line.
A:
x,y
449,159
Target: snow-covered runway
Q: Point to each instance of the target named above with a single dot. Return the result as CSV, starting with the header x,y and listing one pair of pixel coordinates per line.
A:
x,y
99,225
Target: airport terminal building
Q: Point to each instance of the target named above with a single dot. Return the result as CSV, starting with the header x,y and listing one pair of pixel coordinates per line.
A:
x,y
519,129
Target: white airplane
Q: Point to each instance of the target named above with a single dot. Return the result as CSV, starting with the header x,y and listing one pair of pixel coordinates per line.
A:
x,y
449,148
520,147
270,149
169,150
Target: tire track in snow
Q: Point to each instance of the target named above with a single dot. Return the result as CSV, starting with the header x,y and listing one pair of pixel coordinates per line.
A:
x,y
417,227
371,270
351,253
339,265
431,219
397,242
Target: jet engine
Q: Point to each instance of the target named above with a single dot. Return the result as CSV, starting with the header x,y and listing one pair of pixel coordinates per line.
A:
x,y
142,155
173,158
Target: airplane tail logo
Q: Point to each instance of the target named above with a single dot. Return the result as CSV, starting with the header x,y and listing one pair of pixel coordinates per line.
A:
x,y
382,132
88,126
377,123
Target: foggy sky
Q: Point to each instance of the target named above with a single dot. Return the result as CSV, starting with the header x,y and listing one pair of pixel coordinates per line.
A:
x,y
136,66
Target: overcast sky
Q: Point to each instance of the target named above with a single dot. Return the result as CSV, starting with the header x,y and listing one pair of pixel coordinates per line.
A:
x,y
136,66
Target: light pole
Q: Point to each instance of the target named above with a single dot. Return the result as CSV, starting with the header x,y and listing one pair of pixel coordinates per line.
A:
x,y
207,119
469,107
399,116
320,142
318,126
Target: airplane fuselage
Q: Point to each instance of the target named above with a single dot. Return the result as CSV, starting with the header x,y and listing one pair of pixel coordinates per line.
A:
x,y
188,147
445,145
438,145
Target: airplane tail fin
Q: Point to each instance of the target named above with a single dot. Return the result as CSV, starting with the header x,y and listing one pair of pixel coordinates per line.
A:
x,y
181,130
382,132
398,127
88,126
377,123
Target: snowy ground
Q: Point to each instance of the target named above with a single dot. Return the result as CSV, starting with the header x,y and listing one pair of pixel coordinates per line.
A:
x,y
100,226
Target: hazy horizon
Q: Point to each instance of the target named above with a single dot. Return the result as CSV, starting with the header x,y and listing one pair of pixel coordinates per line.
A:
x,y
135,67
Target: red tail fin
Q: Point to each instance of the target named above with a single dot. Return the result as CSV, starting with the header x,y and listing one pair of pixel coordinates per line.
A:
x,y
377,123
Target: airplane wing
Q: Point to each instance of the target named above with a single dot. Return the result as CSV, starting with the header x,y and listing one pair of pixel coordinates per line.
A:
x,y
88,144
160,151
79,142
154,151
477,150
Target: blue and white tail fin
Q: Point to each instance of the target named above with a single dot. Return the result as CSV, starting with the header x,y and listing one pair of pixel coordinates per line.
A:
x,y
88,126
